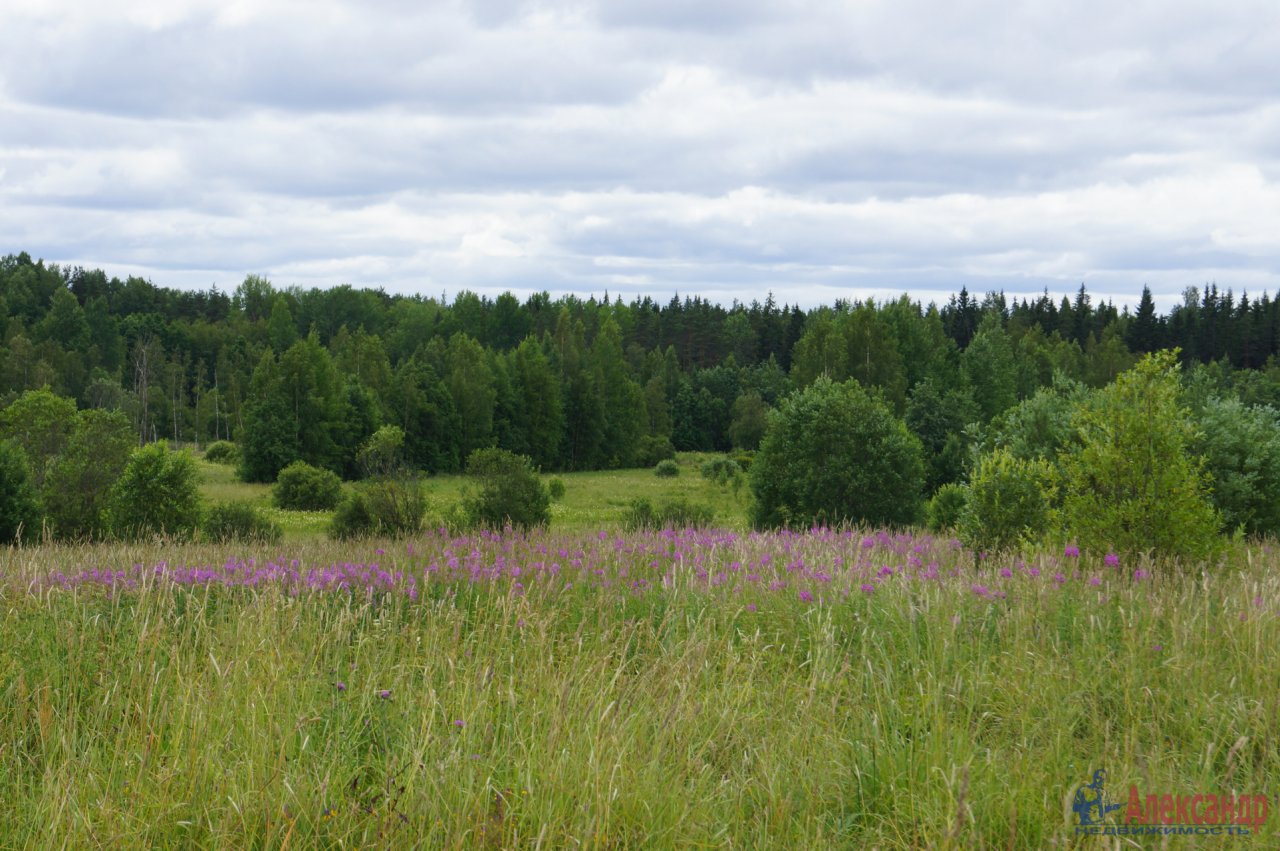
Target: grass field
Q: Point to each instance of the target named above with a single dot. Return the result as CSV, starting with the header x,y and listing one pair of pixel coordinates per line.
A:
x,y
587,688
591,500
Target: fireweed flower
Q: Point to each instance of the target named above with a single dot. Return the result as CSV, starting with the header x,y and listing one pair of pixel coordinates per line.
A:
x,y
1112,560
868,588
342,686
1071,551
385,694
1095,581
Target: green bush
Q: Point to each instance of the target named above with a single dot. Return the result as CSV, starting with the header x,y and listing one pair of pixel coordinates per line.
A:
x,y
555,488
666,469
392,507
19,510
1006,503
744,459
1133,485
944,509
720,470
397,505
653,448
79,481
672,514
383,453
509,491
228,522
1241,450
836,453
352,519
156,495
222,452
301,487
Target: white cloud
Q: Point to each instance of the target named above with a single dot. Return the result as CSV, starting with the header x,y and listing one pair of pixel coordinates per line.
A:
x,y
813,148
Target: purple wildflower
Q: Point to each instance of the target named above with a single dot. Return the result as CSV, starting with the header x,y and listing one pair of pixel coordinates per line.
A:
x,y
1095,581
1112,560
1071,551
385,694
342,686
868,588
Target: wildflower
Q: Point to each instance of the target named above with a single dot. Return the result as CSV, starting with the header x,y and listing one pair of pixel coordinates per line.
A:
x,y
868,588
342,686
1071,551
1158,647
806,596
751,607
1059,578
459,723
1112,560
1095,581
1006,573
385,694
1140,574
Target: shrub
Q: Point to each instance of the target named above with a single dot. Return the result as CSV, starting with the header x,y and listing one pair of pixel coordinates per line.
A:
x,y
392,507
835,453
1006,503
301,487
943,511
397,505
672,514
383,453
1241,449
555,488
653,448
509,491
19,510
156,495
352,519
222,452
743,460
1133,485
79,480
720,470
666,469
226,522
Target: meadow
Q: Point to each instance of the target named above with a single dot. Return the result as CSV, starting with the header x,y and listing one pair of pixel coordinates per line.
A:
x,y
588,687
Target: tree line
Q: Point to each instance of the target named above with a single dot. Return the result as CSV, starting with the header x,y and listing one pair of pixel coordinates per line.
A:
x,y
294,374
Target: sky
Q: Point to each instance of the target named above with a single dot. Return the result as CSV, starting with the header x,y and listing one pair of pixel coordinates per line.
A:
x,y
727,148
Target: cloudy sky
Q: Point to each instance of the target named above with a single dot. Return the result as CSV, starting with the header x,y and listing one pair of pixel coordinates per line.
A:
x,y
732,147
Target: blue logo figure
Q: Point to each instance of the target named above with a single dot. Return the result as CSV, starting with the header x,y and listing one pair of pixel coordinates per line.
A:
x,y
1091,805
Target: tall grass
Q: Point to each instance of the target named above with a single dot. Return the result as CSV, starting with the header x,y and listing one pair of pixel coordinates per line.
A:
x,y
674,689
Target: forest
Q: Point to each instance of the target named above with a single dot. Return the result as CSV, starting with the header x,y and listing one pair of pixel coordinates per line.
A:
x,y
309,374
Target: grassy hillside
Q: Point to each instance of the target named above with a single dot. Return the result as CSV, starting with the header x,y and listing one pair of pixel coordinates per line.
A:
x,y
604,690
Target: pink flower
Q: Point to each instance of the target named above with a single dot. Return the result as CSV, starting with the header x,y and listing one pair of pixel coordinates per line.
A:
x,y
868,588
1112,560
1095,581
1071,551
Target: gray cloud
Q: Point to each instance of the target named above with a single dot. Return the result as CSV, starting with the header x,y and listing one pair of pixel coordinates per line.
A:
x,y
819,149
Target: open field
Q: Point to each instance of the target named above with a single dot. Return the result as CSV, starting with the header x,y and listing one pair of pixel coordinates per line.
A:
x,y
596,689
591,501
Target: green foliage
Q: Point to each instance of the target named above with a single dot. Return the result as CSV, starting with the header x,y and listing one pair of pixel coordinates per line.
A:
x,y
676,513
1041,427
383,453
508,491
1006,504
390,507
301,487
555,489
227,522
989,367
750,418
157,494
667,469
654,448
19,510
835,453
744,460
78,485
222,452
720,470
1241,449
944,509
39,422
1134,485
353,519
